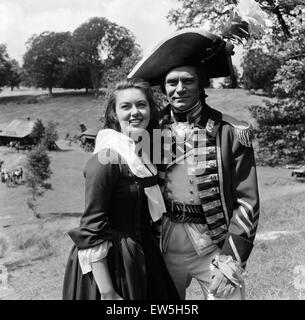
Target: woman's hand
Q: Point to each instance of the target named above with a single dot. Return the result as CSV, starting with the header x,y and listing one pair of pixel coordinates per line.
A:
x,y
111,295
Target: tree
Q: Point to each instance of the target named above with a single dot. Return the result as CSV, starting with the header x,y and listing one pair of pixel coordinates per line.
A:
x,y
26,79
196,13
38,132
10,71
37,173
45,136
118,73
101,45
77,77
76,72
5,66
46,57
50,136
226,83
281,123
15,73
283,13
259,69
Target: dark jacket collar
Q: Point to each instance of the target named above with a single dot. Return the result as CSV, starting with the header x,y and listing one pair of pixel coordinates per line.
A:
x,y
210,118
191,115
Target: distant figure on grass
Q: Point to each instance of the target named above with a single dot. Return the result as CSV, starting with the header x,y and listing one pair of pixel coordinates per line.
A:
x,y
4,175
2,171
210,184
116,253
13,177
17,146
9,179
18,175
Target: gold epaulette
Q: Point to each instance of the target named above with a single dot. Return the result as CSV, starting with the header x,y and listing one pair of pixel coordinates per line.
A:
x,y
243,129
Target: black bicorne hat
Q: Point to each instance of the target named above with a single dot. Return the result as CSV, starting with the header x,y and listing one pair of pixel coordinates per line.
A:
x,y
187,47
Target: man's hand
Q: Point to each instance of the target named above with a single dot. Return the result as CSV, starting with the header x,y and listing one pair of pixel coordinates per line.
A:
x,y
220,287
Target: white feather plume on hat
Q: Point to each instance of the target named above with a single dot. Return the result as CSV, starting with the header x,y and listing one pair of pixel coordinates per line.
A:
x,y
246,20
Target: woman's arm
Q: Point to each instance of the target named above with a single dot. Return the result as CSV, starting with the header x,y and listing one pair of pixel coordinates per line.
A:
x,y
94,230
101,181
103,280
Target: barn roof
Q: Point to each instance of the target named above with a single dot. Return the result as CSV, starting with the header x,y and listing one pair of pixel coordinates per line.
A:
x,y
18,129
3,126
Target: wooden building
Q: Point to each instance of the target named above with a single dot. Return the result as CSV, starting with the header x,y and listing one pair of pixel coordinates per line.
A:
x,y
17,131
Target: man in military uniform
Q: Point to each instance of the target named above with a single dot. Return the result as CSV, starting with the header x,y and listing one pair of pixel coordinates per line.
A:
x,y
210,183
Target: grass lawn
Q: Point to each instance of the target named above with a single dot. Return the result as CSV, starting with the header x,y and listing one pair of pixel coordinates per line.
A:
x,y
35,251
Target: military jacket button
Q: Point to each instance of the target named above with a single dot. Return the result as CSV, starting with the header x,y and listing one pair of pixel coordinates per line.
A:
x,y
212,164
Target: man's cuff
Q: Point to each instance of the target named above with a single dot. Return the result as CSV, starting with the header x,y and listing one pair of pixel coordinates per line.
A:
x,y
237,247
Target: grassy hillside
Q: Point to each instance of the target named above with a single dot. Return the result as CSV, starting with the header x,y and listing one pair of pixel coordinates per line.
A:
x,y
70,109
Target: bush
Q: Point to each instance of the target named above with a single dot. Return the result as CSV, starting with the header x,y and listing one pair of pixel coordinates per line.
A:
x,y
38,171
259,69
37,131
31,101
281,124
279,145
50,136
46,136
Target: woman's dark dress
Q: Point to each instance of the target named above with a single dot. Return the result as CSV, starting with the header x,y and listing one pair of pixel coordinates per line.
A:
x,y
116,210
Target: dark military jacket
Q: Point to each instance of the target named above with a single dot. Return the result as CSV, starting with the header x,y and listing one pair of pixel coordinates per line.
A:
x,y
230,201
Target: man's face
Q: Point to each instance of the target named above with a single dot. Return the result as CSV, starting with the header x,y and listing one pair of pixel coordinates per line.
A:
x,y
182,87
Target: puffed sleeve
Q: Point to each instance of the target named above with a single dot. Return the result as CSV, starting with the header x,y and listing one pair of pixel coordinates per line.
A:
x,y
101,179
87,256
244,222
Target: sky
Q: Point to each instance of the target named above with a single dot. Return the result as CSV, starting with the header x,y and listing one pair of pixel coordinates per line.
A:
x,y
20,19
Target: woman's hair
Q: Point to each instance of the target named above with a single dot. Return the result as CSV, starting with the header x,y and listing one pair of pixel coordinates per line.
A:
x,y
111,119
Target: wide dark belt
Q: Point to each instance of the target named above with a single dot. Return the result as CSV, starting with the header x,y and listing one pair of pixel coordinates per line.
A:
x,y
181,212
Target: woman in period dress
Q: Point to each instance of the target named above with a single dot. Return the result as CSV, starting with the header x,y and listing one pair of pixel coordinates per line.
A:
x,y
116,254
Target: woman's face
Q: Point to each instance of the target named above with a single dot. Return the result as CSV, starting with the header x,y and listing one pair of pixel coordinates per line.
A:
x,y
132,110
